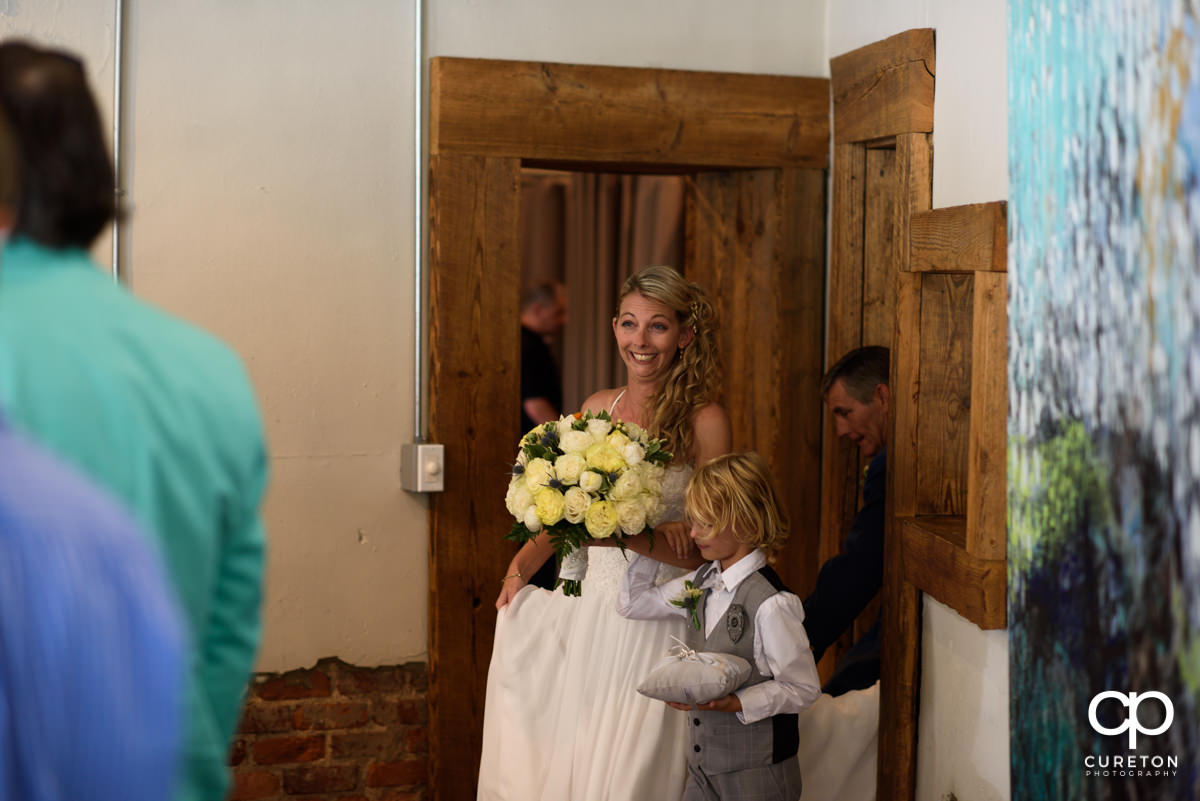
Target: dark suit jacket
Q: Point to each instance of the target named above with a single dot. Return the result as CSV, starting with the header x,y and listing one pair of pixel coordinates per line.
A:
x,y
847,583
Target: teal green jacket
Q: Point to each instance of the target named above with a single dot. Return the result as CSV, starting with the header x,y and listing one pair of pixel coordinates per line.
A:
x,y
163,415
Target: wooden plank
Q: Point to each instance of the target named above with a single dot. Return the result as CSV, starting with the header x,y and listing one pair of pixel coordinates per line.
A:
x,y
944,409
900,661
899,689
624,115
947,527
840,469
885,88
801,312
987,480
474,370
914,177
879,265
756,242
975,588
905,385
959,238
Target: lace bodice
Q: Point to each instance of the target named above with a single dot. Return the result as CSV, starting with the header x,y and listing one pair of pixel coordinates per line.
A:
x,y
606,566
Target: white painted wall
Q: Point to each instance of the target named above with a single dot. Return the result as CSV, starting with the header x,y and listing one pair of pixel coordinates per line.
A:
x,y
963,730
767,36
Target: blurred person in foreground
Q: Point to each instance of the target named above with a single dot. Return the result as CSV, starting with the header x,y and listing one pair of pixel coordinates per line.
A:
x,y
92,646
151,408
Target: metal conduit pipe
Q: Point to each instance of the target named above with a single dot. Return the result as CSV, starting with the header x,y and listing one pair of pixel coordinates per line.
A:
x,y
118,64
418,220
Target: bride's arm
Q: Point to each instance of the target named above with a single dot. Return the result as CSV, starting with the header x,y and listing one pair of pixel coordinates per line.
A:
x,y
672,545
528,560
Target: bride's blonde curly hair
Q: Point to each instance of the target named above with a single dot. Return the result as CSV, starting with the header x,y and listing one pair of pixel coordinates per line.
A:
x,y
695,375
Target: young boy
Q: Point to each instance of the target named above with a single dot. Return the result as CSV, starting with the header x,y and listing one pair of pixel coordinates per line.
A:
x,y
742,746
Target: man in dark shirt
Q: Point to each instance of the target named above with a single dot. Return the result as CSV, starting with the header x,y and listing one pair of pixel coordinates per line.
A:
x,y
543,314
856,391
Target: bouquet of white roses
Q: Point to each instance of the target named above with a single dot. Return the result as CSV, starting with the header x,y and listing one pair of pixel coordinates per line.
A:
x,y
581,477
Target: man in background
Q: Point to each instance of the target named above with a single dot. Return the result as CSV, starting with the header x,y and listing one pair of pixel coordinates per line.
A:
x,y
543,315
151,408
856,392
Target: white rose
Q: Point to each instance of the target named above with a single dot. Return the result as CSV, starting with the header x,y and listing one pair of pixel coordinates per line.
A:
x,y
518,498
564,425
532,522
634,431
574,441
577,503
569,466
598,428
653,506
633,453
538,474
627,488
522,457
590,481
651,476
631,516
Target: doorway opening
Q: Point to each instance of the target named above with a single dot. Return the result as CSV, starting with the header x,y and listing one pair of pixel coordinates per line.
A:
x,y
589,231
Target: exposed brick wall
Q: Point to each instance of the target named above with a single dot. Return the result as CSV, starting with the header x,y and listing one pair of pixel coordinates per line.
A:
x,y
334,733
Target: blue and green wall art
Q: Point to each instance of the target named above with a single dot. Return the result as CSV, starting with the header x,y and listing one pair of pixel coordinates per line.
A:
x,y
1104,399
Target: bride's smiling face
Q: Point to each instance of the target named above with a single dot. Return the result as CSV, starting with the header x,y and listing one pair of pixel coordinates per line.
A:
x,y
648,336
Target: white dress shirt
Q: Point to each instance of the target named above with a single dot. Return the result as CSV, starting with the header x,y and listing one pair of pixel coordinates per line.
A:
x,y
781,649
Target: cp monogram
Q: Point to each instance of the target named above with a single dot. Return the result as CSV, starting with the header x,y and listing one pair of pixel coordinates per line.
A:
x,y
1132,723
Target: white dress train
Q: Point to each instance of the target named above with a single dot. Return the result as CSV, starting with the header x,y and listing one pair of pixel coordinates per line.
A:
x,y
839,742
563,720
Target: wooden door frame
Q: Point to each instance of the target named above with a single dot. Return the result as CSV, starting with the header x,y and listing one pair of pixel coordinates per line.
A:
x,y
882,99
487,119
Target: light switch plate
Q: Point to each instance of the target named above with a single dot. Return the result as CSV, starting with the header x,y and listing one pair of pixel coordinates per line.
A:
x,y
423,467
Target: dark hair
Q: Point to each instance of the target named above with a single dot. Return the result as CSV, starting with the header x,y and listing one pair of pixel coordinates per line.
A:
x,y
860,371
65,181
545,293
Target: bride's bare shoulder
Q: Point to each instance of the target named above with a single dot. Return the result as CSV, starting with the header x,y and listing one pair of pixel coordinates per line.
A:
x,y
601,401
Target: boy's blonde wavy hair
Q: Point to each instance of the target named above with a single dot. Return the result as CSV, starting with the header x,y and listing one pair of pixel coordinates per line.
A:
x,y
696,372
736,490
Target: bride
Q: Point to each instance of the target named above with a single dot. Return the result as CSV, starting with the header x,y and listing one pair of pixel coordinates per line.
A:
x,y
563,720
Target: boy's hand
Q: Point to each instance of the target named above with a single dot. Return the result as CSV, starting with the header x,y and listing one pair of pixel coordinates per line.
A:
x,y
730,703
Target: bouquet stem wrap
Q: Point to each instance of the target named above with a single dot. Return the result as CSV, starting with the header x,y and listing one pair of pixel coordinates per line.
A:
x,y
572,570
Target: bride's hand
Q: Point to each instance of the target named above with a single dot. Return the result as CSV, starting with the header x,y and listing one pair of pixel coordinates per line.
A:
x,y
511,584
677,538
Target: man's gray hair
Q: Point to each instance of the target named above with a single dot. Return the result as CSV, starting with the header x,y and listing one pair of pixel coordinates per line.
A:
x,y
860,371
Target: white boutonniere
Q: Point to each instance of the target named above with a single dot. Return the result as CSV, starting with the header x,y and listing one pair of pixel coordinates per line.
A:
x,y
689,599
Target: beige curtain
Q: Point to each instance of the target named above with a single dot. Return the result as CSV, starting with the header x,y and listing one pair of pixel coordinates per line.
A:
x,y
591,231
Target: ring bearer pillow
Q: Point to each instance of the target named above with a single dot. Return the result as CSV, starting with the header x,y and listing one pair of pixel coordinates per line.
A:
x,y
689,677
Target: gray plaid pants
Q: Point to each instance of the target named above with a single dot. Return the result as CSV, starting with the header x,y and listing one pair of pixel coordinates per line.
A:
x,y
778,782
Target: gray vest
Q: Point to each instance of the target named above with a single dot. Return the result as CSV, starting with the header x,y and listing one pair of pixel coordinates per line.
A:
x,y
718,741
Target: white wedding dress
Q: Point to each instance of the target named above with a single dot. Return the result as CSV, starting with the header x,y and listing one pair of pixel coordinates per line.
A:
x,y
563,719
